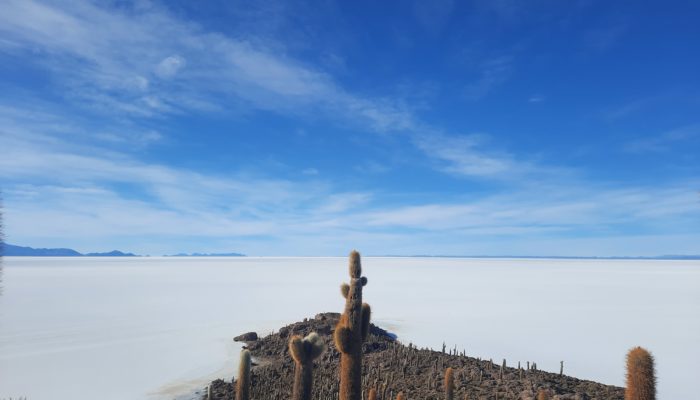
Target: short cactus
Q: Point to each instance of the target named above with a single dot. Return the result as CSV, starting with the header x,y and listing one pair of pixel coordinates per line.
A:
x,y
400,396
243,383
372,395
449,384
351,331
304,352
641,381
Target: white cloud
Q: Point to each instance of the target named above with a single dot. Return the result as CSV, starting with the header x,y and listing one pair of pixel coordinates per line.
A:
x,y
463,156
106,59
116,62
74,193
665,141
494,72
310,171
170,66
545,209
604,38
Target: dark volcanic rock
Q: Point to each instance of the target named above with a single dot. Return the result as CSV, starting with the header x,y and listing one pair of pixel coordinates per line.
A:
x,y
246,337
391,367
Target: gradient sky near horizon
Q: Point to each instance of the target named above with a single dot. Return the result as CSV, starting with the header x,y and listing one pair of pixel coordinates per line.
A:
x,y
314,127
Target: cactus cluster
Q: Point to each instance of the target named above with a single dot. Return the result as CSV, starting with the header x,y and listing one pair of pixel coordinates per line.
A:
x,y
407,363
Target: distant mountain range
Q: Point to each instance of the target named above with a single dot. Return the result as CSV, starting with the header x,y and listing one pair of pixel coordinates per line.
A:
x,y
18,251
663,257
207,255
12,250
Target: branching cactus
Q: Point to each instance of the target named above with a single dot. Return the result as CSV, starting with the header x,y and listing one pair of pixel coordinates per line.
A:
x,y
351,331
449,384
641,382
304,352
243,384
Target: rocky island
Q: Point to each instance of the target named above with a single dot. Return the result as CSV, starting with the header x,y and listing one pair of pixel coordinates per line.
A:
x,y
363,361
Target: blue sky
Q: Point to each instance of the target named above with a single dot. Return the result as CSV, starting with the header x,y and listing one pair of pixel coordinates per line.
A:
x,y
310,128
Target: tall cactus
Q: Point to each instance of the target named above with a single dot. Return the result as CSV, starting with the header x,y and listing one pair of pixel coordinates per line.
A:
x,y
243,383
351,331
449,384
304,352
641,382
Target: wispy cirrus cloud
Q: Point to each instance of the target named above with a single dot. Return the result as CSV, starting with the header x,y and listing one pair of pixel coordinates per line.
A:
x,y
78,189
480,156
493,72
66,178
665,141
143,61
553,208
464,155
61,188
604,38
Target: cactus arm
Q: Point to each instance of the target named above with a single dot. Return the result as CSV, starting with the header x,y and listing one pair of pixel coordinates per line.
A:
x,y
296,349
314,346
366,313
343,339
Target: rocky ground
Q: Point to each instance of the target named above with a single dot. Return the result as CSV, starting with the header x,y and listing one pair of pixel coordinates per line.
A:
x,y
391,366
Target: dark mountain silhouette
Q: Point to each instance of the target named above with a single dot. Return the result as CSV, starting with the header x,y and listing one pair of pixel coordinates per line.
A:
x,y
12,250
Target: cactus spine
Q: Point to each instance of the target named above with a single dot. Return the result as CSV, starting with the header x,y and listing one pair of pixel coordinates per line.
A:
x,y
304,352
449,384
641,382
351,331
243,384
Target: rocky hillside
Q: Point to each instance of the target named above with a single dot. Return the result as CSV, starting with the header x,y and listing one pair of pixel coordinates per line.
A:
x,y
391,366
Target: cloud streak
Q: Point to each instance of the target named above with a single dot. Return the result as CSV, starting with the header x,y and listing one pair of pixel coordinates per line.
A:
x,y
66,178
665,141
75,191
145,62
